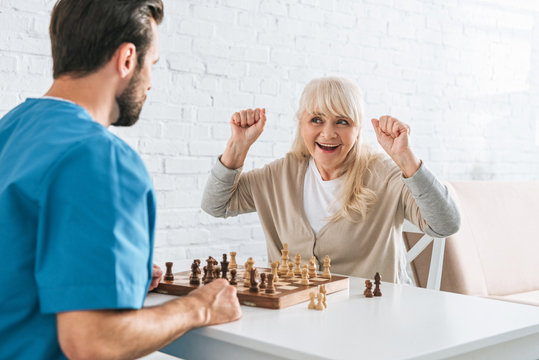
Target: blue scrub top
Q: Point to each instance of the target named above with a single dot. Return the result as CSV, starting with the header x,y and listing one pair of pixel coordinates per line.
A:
x,y
77,216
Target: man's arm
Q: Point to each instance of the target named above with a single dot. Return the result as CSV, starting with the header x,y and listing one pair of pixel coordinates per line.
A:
x,y
129,334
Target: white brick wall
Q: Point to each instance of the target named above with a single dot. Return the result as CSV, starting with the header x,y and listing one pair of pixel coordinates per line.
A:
x,y
464,74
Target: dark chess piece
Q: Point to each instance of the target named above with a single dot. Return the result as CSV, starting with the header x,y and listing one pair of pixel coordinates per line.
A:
x,y
262,281
224,267
210,271
233,277
168,275
368,289
254,282
217,272
270,289
194,279
377,282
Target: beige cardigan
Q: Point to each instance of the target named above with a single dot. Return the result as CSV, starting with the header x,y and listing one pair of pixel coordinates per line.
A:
x,y
362,248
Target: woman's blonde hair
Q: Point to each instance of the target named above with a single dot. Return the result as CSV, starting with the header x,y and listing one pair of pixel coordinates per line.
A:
x,y
340,97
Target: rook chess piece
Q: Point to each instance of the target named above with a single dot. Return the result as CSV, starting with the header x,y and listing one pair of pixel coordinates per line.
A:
x,y
233,264
377,282
327,263
312,296
168,275
270,289
368,289
233,277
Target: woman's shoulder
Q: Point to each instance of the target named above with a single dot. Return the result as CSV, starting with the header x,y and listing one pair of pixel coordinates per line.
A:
x,y
380,169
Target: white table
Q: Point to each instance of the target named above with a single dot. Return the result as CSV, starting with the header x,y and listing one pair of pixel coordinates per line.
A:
x,y
405,323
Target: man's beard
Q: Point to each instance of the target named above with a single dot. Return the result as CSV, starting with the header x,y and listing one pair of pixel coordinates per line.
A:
x,y
128,103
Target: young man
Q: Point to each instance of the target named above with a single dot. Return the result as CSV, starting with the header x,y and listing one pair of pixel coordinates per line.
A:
x,y
77,208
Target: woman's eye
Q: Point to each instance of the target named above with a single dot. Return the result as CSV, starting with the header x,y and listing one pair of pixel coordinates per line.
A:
x,y
342,122
316,120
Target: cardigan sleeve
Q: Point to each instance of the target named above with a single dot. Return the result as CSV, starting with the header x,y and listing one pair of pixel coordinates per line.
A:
x,y
227,192
433,210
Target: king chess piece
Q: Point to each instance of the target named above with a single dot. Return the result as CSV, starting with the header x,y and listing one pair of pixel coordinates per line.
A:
x,y
224,267
283,270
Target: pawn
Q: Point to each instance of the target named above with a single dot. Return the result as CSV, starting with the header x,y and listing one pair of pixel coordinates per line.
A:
x,y
320,302
312,296
233,273
304,277
169,276
262,281
270,289
377,282
290,273
324,298
368,289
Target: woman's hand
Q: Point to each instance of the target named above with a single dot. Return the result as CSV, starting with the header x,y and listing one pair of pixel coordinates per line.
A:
x,y
392,135
246,126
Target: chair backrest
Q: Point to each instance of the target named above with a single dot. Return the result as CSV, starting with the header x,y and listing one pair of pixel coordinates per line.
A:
x,y
496,250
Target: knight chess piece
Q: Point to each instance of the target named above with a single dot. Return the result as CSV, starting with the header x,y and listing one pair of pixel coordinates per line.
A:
x,y
312,267
254,283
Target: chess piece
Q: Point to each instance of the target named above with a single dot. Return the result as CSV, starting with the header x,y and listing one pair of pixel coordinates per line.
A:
x,y
377,282
304,276
312,296
324,293
284,257
319,304
224,267
274,266
249,265
290,273
254,283
209,271
194,279
233,264
217,272
168,275
312,267
270,289
262,281
327,263
368,289
233,277
297,261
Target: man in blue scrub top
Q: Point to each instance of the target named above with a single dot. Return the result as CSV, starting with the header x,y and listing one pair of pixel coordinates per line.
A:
x,y
77,207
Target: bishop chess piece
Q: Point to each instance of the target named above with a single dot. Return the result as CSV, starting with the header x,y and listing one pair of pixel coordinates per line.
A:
x,y
233,264
224,267
377,282
169,276
312,267
368,289
233,273
270,289
327,263
194,279
297,261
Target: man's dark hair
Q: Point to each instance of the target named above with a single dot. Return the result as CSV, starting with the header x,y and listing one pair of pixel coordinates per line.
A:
x,y
85,34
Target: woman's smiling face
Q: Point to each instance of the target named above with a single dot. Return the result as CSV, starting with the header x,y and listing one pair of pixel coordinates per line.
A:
x,y
329,139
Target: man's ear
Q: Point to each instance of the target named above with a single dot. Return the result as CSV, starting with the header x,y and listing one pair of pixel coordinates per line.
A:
x,y
126,59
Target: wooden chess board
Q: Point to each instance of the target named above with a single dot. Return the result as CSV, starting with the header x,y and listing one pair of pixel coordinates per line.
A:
x,y
288,291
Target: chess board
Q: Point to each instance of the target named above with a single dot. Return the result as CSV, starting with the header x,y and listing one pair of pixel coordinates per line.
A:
x,y
288,291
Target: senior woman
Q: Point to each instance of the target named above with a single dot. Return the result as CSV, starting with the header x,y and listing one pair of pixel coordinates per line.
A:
x,y
331,195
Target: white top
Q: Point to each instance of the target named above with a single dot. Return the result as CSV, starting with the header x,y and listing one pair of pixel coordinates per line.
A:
x,y
319,197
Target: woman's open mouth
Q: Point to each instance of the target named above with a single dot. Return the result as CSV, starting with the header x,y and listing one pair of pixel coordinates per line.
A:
x,y
328,147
